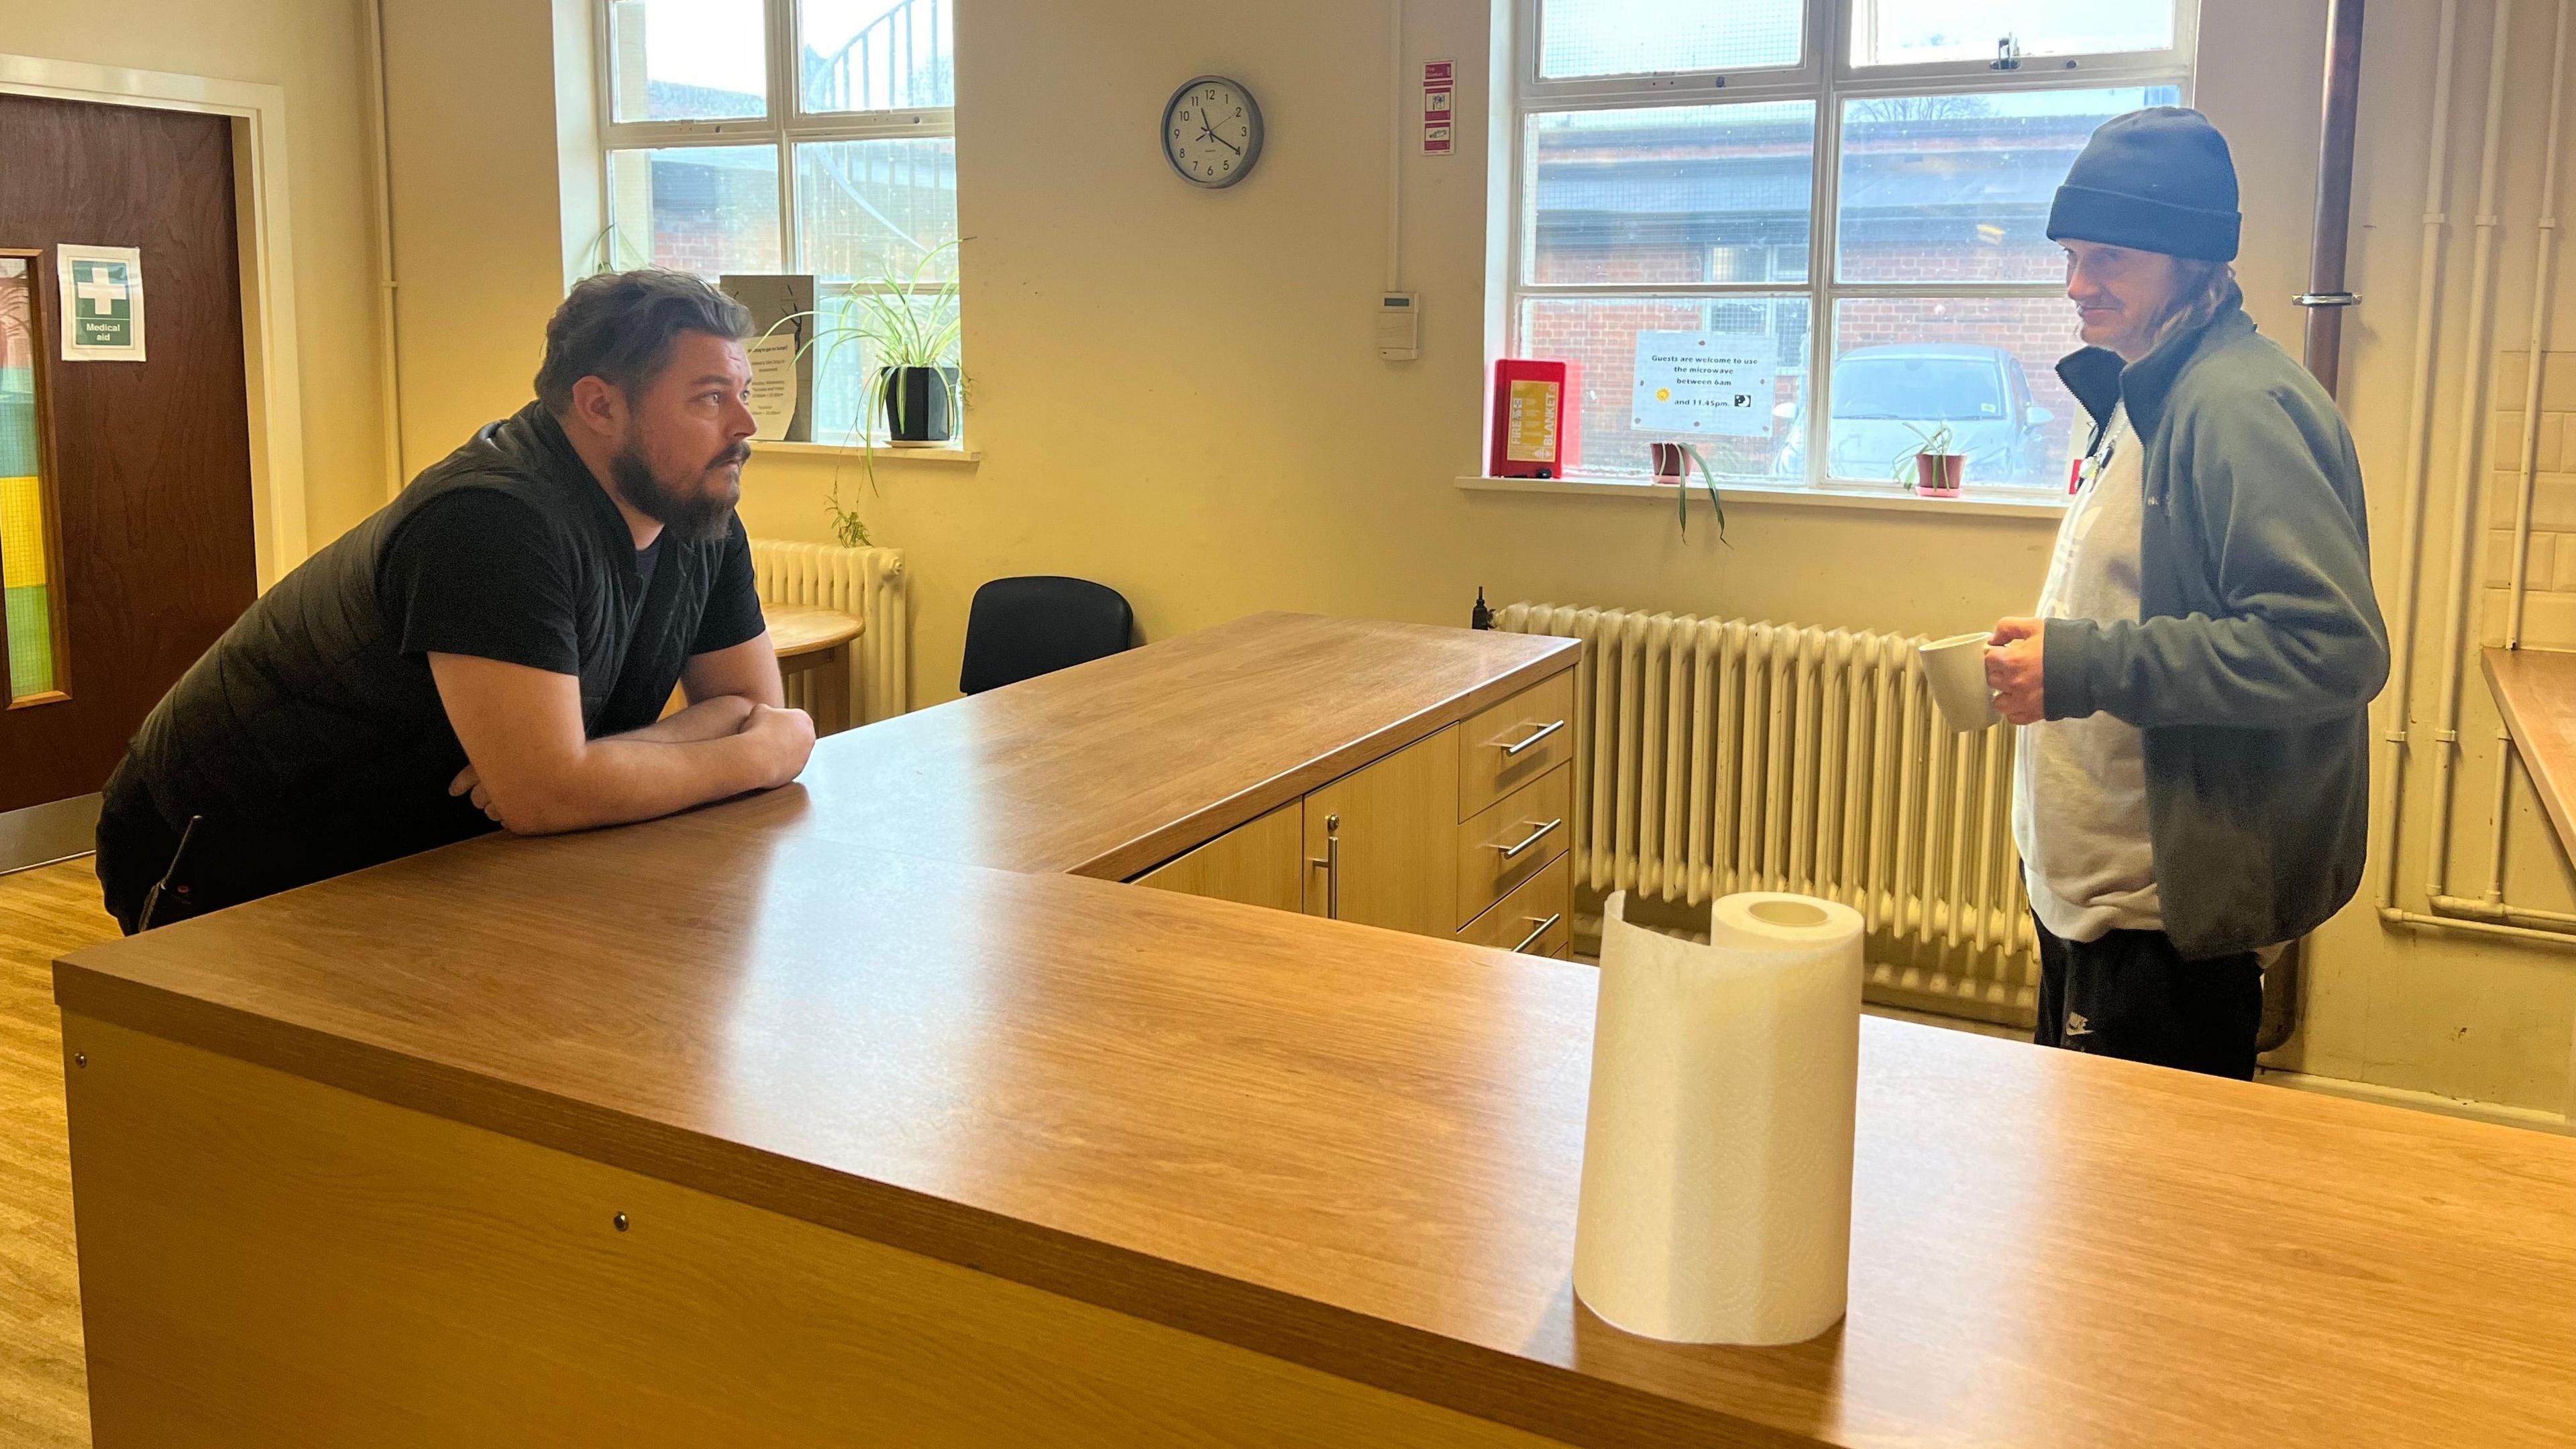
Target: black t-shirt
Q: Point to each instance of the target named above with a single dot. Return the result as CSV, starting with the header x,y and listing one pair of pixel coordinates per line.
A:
x,y
311,737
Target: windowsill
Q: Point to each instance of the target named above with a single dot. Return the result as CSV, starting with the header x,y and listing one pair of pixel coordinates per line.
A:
x,y
2039,507
946,454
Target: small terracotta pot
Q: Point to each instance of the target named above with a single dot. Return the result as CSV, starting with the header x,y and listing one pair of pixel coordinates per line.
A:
x,y
1670,461
1937,475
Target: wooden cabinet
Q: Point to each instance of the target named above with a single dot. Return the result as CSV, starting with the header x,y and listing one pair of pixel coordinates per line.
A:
x,y
1454,835
1381,842
1260,863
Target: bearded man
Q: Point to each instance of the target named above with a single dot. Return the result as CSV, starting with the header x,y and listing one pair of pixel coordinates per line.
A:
x,y
495,646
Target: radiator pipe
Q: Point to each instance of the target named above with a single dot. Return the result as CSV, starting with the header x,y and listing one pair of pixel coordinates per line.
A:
x,y
2419,454
2543,270
2326,298
2464,517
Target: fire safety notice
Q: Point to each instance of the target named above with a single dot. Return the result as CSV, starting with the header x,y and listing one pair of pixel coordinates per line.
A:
x,y
1706,382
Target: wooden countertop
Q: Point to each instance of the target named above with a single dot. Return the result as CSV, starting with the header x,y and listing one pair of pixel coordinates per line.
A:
x,y
1359,1150
2535,690
1111,768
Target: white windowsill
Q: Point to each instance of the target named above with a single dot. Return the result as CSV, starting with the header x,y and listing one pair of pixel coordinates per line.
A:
x,y
948,454
2040,508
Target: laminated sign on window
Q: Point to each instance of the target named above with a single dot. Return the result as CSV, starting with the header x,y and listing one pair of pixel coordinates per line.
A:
x,y
102,303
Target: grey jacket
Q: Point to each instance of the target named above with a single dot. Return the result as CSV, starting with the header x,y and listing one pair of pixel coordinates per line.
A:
x,y
2258,645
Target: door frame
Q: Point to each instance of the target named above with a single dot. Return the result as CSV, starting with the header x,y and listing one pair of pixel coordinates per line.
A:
x,y
266,236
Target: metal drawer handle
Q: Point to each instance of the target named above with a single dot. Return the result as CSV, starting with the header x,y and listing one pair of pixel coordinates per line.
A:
x,y
1541,931
1512,852
1332,866
1543,732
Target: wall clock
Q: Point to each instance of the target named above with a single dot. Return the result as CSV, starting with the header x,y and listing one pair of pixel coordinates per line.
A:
x,y
1212,131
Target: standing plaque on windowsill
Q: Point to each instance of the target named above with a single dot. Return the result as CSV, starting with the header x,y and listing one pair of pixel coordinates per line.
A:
x,y
782,367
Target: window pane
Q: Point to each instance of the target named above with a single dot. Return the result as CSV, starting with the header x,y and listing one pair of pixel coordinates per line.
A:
x,y
703,209
877,209
1636,37
1601,337
28,596
876,212
1957,188
878,55
1983,367
687,60
1671,194
1920,32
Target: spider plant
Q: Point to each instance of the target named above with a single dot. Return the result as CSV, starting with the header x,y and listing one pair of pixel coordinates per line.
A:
x,y
1908,468
1681,491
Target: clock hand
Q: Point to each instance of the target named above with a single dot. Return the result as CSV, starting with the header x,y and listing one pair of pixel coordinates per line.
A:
x,y
1229,145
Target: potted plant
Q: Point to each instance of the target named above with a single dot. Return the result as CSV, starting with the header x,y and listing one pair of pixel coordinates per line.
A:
x,y
911,337
1672,463
1932,470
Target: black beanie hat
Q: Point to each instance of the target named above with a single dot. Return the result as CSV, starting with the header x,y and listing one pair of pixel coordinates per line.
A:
x,y
2157,180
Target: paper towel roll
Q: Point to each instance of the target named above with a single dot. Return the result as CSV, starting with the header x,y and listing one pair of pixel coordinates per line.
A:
x,y
1717,1158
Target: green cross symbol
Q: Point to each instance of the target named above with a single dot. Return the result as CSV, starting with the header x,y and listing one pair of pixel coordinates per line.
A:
x,y
101,288
102,304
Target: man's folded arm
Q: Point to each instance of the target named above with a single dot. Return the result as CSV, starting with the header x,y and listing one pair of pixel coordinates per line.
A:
x,y
537,774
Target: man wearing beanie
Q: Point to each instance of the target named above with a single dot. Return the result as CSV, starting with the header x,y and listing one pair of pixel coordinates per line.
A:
x,y
2191,776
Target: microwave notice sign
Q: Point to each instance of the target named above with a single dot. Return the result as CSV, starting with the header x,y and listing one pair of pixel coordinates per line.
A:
x,y
1706,382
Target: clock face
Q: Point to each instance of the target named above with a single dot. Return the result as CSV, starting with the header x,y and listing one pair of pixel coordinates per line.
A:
x,y
1212,131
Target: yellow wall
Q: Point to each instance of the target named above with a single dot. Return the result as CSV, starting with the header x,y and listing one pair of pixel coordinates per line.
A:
x,y
1176,391
313,50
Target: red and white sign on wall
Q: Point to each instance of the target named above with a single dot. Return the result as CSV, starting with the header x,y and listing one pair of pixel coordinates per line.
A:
x,y
1439,86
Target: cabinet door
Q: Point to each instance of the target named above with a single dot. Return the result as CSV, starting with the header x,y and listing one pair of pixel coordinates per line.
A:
x,y
1382,842
1258,863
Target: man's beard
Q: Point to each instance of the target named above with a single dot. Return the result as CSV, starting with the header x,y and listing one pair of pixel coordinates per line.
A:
x,y
694,519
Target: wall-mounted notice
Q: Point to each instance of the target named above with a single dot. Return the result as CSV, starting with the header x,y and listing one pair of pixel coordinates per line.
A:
x,y
102,303
1706,382
1439,92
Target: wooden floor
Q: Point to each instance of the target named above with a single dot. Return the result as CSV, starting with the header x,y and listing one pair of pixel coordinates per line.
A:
x,y
44,1393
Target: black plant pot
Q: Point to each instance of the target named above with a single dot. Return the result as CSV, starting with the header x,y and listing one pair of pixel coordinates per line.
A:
x,y
917,404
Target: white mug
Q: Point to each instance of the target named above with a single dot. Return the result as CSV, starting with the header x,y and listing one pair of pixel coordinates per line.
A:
x,y
1955,668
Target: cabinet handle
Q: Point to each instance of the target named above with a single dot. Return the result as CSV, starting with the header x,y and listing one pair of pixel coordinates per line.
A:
x,y
1512,852
1543,732
1332,864
1541,931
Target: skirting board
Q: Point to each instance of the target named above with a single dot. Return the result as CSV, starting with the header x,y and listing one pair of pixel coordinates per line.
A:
x,y
42,834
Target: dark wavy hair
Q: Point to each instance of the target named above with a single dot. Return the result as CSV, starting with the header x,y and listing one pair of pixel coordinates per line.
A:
x,y
620,327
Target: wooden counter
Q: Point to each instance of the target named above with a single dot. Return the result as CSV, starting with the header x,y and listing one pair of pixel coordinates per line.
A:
x,y
738,1128
2535,691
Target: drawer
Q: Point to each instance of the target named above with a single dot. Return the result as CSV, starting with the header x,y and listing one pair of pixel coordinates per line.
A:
x,y
1536,818
1540,913
1515,742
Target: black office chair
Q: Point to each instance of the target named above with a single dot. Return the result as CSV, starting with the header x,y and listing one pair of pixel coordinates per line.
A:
x,y
1021,628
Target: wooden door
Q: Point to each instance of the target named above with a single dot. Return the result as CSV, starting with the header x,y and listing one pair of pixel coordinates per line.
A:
x,y
1382,842
141,498
1258,863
